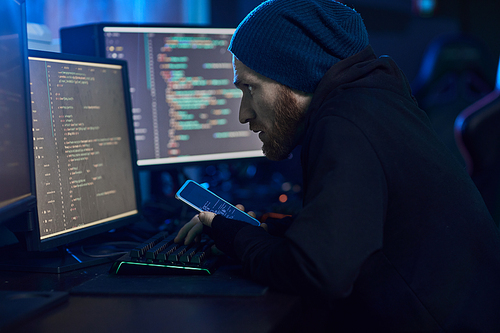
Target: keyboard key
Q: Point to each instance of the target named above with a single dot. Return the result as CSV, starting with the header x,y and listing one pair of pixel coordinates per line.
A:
x,y
139,251
203,253
186,257
152,253
163,255
178,253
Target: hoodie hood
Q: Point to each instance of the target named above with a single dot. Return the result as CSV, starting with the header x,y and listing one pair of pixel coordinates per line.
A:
x,y
362,70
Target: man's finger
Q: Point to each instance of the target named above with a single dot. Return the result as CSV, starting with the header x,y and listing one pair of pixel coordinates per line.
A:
x,y
195,231
206,218
181,235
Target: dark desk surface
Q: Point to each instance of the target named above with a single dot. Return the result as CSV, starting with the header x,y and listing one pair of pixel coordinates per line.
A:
x,y
270,312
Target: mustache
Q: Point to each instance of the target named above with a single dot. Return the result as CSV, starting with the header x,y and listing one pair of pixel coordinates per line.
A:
x,y
254,127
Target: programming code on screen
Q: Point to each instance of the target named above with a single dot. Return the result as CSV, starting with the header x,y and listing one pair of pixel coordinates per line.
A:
x,y
185,106
82,153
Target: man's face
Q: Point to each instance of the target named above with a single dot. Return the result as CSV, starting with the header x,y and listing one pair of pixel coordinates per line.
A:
x,y
272,110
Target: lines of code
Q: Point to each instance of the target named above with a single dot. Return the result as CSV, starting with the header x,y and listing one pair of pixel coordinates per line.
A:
x,y
184,102
220,208
82,154
207,201
188,96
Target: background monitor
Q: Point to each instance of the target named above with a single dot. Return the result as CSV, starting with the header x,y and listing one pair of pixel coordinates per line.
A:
x,y
16,190
84,152
185,106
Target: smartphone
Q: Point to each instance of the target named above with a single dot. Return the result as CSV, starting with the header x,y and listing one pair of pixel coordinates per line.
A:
x,y
204,200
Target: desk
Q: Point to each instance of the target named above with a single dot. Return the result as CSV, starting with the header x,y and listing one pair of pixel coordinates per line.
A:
x,y
271,312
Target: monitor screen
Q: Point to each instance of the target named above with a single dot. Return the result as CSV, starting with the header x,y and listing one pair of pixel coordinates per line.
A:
x,y
84,153
15,172
185,106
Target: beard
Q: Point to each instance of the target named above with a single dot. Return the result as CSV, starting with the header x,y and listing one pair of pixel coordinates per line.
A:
x,y
287,117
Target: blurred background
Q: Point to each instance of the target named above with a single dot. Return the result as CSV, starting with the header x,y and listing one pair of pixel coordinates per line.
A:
x,y
400,28
448,49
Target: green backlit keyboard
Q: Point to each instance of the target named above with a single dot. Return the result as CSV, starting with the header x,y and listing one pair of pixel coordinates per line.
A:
x,y
160,255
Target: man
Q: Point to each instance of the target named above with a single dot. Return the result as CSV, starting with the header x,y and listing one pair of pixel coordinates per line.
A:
x,y
393,235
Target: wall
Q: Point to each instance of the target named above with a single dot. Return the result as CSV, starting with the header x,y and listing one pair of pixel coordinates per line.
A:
x,y
396,30
60,13
393,28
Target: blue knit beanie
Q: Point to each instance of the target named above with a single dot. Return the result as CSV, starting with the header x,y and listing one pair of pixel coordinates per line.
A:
x,y
295,42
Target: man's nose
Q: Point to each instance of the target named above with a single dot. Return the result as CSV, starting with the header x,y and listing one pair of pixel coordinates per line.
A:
x,y
246,112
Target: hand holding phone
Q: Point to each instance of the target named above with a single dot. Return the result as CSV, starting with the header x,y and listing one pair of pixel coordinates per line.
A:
x,y
204,200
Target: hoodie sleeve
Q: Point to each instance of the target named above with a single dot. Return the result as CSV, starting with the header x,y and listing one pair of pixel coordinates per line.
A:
x,y
341,223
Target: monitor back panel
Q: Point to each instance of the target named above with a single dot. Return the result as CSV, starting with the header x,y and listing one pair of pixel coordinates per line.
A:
x,y
15,163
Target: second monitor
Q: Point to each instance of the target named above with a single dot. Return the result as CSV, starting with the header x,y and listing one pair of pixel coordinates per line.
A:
x,y
185,106
86,177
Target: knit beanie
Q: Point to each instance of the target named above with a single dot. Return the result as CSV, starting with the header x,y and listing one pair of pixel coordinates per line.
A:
x,y
295,42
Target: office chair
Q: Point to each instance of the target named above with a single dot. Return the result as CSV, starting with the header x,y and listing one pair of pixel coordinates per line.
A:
x,y
477,133
456,71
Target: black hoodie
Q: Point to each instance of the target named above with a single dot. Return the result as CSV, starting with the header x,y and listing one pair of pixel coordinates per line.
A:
x,y
393,234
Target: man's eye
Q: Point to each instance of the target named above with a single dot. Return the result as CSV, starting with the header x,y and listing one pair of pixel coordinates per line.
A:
x,y
250,88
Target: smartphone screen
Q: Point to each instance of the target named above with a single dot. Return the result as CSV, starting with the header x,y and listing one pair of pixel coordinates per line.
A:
x,y
204,200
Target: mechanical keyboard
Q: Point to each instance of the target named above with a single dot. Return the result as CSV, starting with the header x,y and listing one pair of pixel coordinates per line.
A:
x,y
160,255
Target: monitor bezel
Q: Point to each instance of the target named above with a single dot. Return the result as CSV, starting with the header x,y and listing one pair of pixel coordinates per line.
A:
x,y
25,203
96,46
99,49
33,240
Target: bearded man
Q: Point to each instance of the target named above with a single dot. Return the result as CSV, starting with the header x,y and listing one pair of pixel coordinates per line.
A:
x,y
393,235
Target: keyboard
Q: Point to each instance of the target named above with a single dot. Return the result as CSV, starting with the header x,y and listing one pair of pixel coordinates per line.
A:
x,y
160,255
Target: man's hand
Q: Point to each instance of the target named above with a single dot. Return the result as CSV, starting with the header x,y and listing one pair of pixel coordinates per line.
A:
x,y
252,214
192,230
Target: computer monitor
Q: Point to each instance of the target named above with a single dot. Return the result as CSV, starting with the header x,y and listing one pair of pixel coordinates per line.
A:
x,y
185,106
16,186
84,152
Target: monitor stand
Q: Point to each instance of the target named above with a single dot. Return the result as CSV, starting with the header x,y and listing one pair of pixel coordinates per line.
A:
x,y
14,255
59,260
